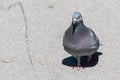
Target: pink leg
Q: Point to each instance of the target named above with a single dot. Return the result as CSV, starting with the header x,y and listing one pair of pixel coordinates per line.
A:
x,y
78,64
89,58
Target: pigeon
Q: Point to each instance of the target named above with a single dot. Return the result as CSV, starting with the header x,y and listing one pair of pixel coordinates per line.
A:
x,y
80,40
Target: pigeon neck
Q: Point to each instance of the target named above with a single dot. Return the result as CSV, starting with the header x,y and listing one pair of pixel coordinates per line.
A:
x,y
79,26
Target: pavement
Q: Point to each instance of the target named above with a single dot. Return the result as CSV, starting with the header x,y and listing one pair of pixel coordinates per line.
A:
x,y
31,33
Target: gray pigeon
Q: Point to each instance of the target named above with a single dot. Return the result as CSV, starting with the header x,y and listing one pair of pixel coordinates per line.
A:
x,y
80,40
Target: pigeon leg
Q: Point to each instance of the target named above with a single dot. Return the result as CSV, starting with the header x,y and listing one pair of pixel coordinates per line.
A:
x,y
78,66
89,58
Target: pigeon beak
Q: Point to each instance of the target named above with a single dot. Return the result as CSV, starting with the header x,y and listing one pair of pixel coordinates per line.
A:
x,y
74,21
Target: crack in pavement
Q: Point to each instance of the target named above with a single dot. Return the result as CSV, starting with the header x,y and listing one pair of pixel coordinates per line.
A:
x,y
26,31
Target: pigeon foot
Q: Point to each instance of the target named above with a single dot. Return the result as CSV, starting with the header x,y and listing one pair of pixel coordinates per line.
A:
x,y
78,67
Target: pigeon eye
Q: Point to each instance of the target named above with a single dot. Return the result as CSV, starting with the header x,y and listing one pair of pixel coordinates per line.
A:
x,y
78,17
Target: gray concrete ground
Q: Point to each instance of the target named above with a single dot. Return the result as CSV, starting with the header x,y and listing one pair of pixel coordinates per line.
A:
x,y
31,33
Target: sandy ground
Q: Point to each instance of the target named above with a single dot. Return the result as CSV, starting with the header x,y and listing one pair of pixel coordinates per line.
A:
x,y
31,33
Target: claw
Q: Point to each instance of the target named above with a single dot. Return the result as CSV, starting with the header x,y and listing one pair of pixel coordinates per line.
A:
x,y
78,67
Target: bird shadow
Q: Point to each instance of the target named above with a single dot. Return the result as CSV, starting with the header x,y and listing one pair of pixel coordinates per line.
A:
x,y
71,61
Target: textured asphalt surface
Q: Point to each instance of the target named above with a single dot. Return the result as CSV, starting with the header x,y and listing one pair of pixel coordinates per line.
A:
x,y
31,33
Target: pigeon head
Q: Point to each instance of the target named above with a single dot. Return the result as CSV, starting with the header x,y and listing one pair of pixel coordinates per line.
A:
x,y
76,18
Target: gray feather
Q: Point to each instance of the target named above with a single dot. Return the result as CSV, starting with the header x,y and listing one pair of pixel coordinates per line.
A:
x,y
83,42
